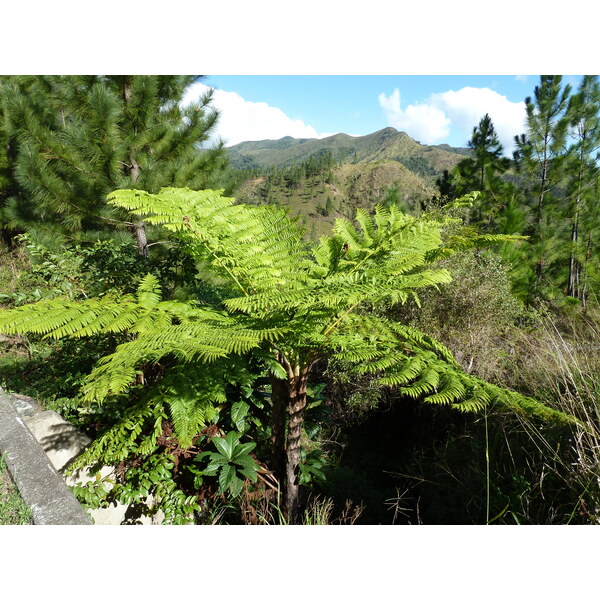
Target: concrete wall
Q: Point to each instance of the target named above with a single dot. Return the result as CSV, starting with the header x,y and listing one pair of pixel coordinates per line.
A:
x,y
38,480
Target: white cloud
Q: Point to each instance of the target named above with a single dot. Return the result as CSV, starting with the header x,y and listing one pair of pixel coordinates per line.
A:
x,y
465,108
425,122
241,120
430,121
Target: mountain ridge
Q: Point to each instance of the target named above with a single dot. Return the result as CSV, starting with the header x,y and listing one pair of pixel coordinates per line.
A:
x,y
384,144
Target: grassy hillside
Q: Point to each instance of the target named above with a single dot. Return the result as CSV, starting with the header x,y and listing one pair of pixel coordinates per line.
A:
x,y
320,199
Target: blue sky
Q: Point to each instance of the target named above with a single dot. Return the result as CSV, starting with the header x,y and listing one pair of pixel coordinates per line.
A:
x,y
433,109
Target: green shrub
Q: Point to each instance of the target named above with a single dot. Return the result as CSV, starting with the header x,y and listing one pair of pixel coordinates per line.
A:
x,y
475,316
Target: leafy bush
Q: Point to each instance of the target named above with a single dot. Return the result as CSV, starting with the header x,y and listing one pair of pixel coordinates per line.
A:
x,y
475,316
232,462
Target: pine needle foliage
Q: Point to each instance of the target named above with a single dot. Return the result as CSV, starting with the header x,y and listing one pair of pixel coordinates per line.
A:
x,y
73,139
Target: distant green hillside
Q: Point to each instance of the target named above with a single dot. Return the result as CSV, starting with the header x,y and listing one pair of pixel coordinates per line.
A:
x,y
319,180
319,199
384,145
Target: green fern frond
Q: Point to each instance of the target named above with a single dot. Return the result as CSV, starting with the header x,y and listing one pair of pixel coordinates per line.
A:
x,y
407,371
137,431
192,395
190,342
450,389
257,248
347,233
149,292
419,339
424,385
375,362
49,316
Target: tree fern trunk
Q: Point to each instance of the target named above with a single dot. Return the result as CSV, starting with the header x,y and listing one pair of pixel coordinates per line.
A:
x,y
289,401
280,398
297,405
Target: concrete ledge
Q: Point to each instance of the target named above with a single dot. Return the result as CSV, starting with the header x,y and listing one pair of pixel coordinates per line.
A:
x,y
40,484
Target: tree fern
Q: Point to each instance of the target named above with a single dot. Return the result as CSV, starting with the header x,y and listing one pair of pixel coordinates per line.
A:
x,y
289,303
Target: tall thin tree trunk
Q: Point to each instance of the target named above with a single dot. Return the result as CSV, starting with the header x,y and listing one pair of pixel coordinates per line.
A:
x,y
588,256
573,262
134,173
539,218
540,207
140,238
140,228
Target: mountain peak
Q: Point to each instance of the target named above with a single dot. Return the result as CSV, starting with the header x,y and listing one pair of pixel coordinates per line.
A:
x,y
387,131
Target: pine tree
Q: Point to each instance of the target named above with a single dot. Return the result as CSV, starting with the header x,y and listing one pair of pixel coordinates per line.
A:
x,y
582,209
446,186
392,197
76,138
7,160
540,157
481,171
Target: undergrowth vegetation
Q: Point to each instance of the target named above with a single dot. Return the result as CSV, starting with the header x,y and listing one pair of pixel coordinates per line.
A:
x,y
369,453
